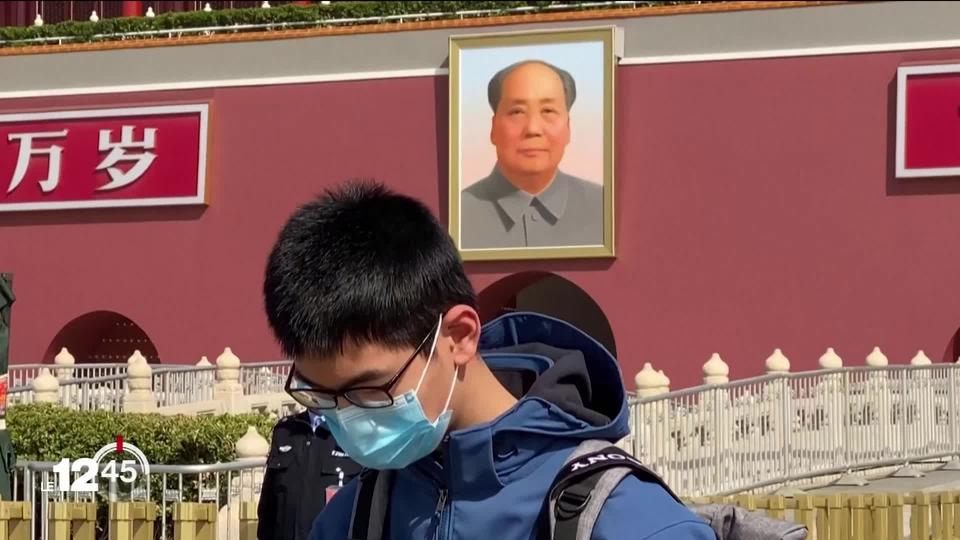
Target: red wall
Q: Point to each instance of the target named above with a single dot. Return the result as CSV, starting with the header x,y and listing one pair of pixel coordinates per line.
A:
x,y
756,208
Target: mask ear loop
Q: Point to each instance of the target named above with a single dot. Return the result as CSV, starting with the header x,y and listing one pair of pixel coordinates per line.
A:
x,y
453,384
433,347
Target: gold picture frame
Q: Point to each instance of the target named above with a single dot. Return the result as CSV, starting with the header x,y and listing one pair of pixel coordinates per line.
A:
x,y
495,206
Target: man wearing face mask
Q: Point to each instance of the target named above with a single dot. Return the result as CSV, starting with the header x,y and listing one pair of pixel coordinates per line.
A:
x,y
367,293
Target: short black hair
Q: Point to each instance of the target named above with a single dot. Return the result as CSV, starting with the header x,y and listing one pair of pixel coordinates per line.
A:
x,y
361,264
495,86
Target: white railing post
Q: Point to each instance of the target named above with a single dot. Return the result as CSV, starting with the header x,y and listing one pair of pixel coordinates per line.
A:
x,y
717,372
830,360
921,359
664,383
252,445
140,397
843,403
921,436
227,390
777,363
46,387
830,391
953,418
646,421
64,362
878,396
778,406
648,382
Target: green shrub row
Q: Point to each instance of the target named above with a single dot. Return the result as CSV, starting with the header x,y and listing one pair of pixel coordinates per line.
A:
x,y
45,432
108,28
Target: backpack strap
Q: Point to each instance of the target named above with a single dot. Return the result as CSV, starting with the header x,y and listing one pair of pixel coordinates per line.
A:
x,y
591,473
369,517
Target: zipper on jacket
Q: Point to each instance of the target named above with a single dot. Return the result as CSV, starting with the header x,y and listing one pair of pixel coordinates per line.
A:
x,y
441,506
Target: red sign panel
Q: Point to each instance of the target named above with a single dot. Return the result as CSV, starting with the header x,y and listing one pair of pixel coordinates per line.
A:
x,y
928,121
97,158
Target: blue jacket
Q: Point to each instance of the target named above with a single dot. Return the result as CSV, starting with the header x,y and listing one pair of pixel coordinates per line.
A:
x,y
491,480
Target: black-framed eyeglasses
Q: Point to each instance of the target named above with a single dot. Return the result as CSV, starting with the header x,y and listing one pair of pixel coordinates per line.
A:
x,y
307,394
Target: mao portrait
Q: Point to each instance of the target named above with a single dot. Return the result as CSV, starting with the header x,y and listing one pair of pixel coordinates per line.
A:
x,y
531,145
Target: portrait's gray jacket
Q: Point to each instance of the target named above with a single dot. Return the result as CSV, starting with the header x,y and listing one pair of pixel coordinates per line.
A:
x,y
495,214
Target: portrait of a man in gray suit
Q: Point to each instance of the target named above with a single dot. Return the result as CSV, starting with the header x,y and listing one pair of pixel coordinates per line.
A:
x,y
527,200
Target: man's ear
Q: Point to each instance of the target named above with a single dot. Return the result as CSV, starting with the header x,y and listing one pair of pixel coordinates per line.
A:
x,y
461,324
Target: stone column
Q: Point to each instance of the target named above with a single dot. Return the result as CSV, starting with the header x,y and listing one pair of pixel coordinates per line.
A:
x,y
140,397
227,389
64,362
46,387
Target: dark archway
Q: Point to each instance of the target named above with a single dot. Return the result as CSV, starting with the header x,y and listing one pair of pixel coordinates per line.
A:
x,y
953,349
550,294
101,337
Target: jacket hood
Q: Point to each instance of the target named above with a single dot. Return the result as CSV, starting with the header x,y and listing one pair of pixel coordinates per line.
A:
x,y
576,373
569,388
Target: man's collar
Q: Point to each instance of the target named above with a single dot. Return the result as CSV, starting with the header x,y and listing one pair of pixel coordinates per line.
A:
x,y
514,202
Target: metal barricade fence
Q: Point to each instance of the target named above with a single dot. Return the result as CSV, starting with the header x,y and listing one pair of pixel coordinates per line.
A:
x,y
226,485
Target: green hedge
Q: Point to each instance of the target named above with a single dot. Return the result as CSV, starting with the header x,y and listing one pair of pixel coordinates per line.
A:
x,y
85,31
45,432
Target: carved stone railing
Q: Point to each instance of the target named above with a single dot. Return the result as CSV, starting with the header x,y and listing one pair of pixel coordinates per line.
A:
x,y
732,436
136,386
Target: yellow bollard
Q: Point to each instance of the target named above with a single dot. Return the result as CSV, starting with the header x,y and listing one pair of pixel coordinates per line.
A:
x,y
73,521
776,507
877,516
860,518
839,515
15,520
132,520
806,513
881,518
823,521
194,521
747,502
920,517
248,520
937,501
948,506
956,513
896,515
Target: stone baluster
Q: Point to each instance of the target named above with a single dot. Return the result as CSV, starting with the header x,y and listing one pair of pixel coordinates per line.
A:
x,y
64,362
140,397
716,371
227,389
46,387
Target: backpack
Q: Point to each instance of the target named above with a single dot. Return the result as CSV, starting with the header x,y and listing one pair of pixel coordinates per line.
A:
x,y
576,496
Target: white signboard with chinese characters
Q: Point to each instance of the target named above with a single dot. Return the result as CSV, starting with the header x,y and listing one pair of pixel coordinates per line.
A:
x,y
96,158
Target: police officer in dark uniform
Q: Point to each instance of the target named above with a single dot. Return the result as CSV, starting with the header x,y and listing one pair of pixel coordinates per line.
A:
x,y
304,461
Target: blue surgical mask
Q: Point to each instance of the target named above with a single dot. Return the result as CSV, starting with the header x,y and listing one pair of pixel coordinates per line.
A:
x,y
391,437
